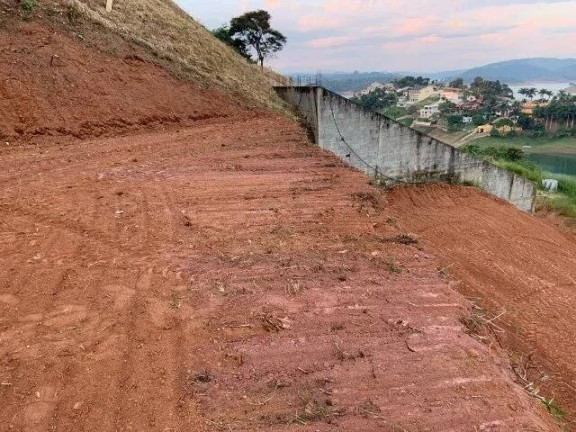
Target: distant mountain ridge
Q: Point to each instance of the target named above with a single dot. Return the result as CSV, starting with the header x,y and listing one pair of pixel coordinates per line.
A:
x,y
512,72
524,71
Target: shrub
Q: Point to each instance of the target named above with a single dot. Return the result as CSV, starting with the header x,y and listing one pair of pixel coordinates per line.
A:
x,y
472,149
525,122
28,7
72,13
454,123
478,120
503,122
563,133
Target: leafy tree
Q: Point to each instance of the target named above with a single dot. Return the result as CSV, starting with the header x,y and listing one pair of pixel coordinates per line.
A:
x,y
377,100
457,83
490,91
223,33
447,107
477,84
254,31
503,122
525,122
516,108
454,123
478,120
410,81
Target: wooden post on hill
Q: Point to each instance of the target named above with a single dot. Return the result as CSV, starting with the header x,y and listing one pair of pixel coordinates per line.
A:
x,y
109,5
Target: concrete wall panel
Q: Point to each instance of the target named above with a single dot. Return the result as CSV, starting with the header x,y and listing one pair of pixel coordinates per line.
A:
x,y
383,148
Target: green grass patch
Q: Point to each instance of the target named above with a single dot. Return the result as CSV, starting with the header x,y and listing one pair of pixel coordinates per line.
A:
x,y
536,145
406,121
395,112
513,159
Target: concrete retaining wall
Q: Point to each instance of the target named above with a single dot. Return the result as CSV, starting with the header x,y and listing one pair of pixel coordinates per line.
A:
x,y
396,154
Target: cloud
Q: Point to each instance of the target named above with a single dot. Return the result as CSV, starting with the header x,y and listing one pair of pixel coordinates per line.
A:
x,y
328,42
427,35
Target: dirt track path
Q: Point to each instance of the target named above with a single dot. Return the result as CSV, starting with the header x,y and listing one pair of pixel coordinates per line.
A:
x,y
227,277
511,263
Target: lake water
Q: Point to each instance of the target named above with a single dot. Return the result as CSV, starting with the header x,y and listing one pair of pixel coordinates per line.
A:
x,y
555,87
555,163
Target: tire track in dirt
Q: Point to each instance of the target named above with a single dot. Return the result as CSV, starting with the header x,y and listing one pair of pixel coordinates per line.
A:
x,y
284,304
125,412
42,390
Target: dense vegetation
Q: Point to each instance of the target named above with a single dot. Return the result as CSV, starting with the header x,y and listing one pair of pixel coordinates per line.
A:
x,y
515,160
410,81
377,100
560,112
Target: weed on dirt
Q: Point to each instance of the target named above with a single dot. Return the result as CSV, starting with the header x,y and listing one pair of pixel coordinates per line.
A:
x,y
404,239
271,323
368,203
314,409
342,355
28,7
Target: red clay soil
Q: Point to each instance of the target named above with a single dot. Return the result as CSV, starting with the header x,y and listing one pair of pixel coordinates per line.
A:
x,y
223,276
227,277
51,85
510,262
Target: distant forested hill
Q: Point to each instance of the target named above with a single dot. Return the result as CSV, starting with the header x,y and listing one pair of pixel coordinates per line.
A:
x,y
511,72
525,70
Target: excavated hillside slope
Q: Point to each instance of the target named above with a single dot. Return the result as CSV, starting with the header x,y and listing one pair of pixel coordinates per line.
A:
x,y
519,270
50,84
209,269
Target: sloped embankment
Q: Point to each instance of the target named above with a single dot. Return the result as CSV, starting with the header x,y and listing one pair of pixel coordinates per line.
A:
x,y
515,266
71,69
221,275
160,32
51,84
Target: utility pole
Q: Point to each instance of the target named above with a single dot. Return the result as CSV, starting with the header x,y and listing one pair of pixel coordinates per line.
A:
x,y
109,5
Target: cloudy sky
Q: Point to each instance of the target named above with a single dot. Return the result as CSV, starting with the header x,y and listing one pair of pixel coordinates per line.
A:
x,y
400,35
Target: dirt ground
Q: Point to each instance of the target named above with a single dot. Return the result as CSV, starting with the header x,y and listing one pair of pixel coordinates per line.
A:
x,y
227,276
512,264
210,270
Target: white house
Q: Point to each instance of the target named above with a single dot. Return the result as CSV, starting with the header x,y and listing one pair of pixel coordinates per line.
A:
x,y
429,111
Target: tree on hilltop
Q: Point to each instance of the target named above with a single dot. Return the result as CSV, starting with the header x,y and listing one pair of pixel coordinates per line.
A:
x,y
223,33
253,32
457,83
